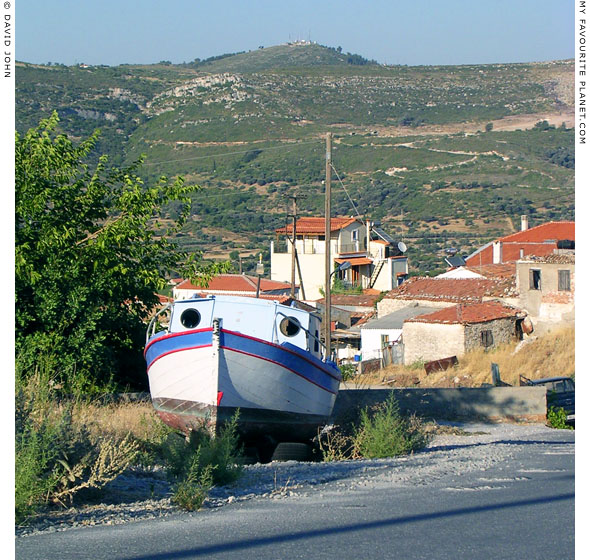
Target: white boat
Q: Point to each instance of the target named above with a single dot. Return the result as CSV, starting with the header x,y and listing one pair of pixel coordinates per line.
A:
x,y
223,353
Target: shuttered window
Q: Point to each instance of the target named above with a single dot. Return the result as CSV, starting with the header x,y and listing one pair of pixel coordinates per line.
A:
x,y
534,279
563,280
487,338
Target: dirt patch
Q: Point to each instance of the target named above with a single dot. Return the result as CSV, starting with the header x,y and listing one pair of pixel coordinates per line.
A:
x,y
510,123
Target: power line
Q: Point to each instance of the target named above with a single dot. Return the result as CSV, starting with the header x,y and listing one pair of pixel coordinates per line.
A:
x,y
344,188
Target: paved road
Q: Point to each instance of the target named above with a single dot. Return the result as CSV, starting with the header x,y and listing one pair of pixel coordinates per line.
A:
x,y
521,508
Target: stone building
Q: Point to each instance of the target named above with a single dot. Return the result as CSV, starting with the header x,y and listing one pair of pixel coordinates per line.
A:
x,y
453,331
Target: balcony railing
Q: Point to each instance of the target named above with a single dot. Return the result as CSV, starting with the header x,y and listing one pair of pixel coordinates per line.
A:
x,y
354,247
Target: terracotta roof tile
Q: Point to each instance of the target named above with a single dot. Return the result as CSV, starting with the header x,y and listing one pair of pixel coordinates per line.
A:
x,y
503,270
361,300
454,289
316,225
539,240
469,313
281,298
544,232
235,283
554,258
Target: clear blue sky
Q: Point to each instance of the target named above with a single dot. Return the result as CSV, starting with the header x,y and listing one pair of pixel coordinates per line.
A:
x,y
390,31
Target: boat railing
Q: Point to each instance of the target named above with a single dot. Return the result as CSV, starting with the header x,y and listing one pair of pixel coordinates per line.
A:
x,y
309,333
151,330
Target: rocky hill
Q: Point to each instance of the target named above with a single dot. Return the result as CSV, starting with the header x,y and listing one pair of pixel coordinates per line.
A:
x,y
441,155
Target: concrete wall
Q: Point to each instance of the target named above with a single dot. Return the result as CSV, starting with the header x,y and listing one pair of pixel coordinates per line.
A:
x,y
312,270
528,404
432,341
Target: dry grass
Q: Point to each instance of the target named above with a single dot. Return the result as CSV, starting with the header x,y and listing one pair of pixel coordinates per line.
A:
x,y
536,357
117,420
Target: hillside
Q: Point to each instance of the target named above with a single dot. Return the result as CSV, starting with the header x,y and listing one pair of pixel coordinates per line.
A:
x,y
440,155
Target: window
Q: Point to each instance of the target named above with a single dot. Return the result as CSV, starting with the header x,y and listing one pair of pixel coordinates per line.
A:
x,y
384,340
563,281
290,326
534,279
190,318
487,338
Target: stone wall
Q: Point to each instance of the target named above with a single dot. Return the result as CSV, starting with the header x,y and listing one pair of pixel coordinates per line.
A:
x,y
548,307
503,331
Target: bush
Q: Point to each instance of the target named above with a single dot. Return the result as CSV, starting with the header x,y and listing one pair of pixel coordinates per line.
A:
x,y
380,431
195,464
348,371
557,418
191,492
383,432
55,458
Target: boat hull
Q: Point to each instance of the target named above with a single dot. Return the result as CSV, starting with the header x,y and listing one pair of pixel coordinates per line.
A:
x,y
201,378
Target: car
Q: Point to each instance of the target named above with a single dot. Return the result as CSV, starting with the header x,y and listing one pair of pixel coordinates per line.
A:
x,y
561,393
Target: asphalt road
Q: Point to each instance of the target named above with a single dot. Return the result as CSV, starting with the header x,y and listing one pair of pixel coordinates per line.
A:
x,y
519,508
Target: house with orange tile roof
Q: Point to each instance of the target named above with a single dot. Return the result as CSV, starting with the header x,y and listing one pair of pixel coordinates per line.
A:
x,y
539,241
453,331
234,285
376,261
446,292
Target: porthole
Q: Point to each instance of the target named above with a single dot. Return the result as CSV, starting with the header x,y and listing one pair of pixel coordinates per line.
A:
x,y
290,326
190,318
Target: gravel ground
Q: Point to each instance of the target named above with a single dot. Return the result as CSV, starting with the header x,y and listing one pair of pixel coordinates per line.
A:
x,y
141,494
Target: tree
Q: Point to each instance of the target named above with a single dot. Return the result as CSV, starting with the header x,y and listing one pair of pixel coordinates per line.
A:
x,y
489,127
90,256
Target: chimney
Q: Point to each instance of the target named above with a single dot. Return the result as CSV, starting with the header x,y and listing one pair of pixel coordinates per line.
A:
x,y
524,223
497,252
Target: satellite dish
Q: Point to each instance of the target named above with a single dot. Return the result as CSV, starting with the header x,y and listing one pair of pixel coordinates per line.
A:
x,y
402,247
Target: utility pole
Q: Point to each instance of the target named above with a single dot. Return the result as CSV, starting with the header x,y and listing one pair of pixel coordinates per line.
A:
x,y
293,241
328,210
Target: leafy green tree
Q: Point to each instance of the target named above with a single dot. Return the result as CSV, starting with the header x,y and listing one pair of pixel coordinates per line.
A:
x,y
90,256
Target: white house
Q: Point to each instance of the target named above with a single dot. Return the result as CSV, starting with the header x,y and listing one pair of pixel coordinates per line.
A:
x,y
379,334
376,261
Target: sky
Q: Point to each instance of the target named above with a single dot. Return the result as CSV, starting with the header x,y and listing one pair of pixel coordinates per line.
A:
x,y
412,32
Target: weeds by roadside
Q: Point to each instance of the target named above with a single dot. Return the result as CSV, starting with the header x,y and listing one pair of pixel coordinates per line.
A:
x,y
196,464
381,431
55,457
68,449
557,418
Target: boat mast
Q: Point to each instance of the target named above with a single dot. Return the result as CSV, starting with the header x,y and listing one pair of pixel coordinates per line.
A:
x,y
328,298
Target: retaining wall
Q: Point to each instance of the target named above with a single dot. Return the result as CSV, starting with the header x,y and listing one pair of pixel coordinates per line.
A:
x,y
494,404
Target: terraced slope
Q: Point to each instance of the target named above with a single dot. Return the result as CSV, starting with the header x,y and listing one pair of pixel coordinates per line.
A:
x,y
410,143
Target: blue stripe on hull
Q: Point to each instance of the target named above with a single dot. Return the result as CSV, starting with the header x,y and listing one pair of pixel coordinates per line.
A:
x,y
176,342
288,356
